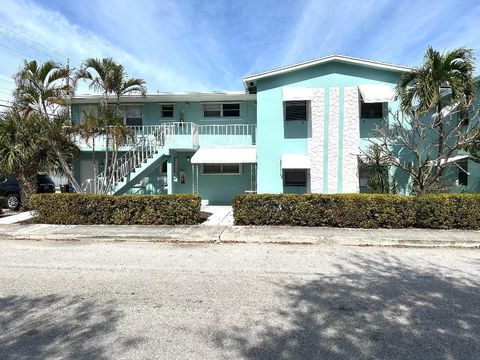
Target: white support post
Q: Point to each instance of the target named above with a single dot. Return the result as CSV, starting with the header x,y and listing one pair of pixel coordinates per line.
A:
x,y
170,175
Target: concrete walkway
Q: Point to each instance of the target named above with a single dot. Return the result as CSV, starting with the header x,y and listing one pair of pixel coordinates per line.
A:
x,y
16,218
220,215
245,234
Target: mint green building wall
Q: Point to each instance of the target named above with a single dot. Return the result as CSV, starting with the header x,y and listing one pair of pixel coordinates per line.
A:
x,y
271,139
191,112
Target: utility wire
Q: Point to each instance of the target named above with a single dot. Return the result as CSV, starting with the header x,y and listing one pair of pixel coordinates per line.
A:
x,y
22,38
16,51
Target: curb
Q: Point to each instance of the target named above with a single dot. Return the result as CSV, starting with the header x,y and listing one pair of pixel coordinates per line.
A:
x,y
281,235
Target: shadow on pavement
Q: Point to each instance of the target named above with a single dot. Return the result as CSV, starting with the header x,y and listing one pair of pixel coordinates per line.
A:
x,y
59,327
378,308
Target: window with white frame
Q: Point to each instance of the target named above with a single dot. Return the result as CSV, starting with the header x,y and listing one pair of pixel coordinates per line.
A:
x,y
167,110
295,110
221,110
221,169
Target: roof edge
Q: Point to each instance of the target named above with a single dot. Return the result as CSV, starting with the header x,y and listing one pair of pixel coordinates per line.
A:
x,y
325,59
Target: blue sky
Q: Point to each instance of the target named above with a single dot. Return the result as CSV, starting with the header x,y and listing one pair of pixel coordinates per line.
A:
x,y
209,45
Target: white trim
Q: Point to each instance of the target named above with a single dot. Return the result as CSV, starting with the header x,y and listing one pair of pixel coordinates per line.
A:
x,y
325,59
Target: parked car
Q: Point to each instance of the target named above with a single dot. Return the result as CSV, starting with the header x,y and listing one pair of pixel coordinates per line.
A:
x,y
10,189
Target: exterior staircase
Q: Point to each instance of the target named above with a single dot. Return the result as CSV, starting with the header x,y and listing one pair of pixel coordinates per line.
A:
x,y
147,151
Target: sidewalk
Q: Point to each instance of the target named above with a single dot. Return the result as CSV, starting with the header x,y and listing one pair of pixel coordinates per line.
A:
x,y
245,234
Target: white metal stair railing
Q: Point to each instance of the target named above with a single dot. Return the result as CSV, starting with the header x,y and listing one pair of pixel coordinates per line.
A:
x,y
146,145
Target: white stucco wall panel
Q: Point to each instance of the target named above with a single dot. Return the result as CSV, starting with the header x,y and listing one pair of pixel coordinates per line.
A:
x,y
333,119
315,141
351,140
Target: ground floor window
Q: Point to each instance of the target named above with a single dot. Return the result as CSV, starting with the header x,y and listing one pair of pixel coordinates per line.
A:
x,y
221,169
295,177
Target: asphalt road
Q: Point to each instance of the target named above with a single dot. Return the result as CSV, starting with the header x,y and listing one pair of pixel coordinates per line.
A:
x,y
158,301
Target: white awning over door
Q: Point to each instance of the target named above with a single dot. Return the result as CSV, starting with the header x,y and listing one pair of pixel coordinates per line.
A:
x,y
224,155
295,161
376,93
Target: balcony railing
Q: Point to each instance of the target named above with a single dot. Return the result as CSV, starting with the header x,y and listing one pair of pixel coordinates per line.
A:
x,y
181,135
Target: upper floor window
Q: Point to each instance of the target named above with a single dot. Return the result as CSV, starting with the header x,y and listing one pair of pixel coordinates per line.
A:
x,y
133,115
371,110
296,110
167,110
221,110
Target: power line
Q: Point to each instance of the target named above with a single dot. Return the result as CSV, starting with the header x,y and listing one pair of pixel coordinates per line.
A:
x,y
16,51
27,41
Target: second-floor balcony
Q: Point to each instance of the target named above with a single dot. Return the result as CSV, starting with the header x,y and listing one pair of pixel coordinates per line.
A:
x,y
180,135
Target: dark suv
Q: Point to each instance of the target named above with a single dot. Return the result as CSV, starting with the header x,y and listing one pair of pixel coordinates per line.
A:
x,y
10,188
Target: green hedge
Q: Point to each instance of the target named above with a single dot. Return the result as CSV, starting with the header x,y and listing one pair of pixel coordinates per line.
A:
x,y
118,210
442,211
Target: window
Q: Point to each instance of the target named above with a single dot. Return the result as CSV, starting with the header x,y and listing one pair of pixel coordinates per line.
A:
x,y
167,110
224,169
221,110
133,115
371,110
295,178
295,110
463,173
86,110
231,110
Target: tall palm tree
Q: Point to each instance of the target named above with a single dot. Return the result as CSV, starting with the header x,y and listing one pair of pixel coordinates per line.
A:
x,y
33,144
41,87
420,90
110,77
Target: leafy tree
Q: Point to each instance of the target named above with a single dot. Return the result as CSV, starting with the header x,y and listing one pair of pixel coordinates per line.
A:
x,y
427,133
33,144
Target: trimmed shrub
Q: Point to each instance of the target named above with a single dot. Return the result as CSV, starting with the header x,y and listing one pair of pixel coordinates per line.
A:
x,y
440,211
81,209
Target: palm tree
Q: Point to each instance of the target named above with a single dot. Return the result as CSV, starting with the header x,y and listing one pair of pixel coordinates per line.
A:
x,y
33,144
41,87
375,162
420,90
110,77
89,129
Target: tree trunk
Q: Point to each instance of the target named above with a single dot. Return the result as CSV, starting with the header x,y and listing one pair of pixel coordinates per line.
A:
x,y
27,178
441,136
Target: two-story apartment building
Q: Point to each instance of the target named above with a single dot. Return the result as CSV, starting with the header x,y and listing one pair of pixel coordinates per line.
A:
x,y
298,128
